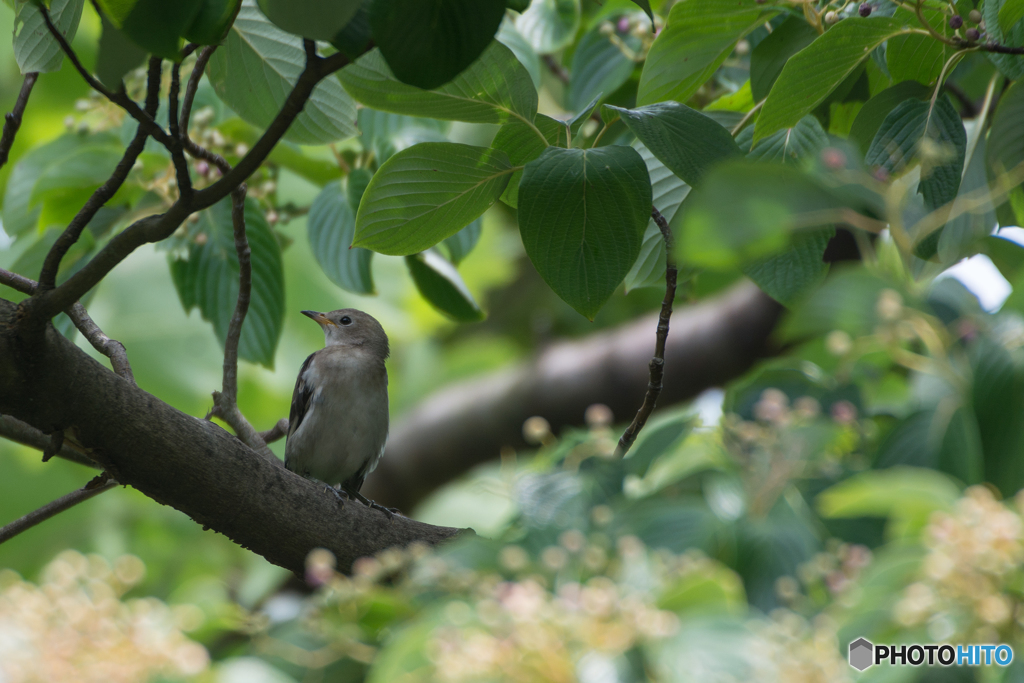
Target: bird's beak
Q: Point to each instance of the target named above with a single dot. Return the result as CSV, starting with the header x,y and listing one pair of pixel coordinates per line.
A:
x,y
320,318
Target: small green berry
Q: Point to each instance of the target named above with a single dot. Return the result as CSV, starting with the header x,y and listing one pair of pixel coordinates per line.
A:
x,y
974,16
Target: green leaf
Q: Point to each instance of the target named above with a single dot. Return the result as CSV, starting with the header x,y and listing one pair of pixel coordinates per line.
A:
x,y
208,279
744,211
331,225
429,42
1011,66
660,436
972,220
668,192
521,144
461,243
357,37
814,72
872,114
211,24
19,214
599,66
494,89
426,193
255,70
117,55
997,391
788,145
385,133
645,5
582,214
683,139
154,25
900,137
524,52
771,54
699,35
440,284
787,276
34,48
1006,138
917,57
847,301
317,19
1010,13
549,25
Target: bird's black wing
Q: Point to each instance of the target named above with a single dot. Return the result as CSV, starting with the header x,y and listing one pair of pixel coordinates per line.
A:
x,y
301,398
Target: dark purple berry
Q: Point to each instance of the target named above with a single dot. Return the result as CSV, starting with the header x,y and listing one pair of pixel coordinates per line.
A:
x,y
865,10
974,16
972,34
956,21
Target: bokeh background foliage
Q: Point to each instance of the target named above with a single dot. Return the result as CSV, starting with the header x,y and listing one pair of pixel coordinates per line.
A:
x,y
484,197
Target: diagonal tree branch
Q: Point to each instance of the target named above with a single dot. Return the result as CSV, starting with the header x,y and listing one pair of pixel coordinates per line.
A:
x,y
27,435
12,120
95,487
657,364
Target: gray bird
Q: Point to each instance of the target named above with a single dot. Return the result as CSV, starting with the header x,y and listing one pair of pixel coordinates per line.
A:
x,y
339,418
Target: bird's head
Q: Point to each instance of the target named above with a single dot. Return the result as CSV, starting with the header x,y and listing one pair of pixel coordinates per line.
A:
x,y
350,327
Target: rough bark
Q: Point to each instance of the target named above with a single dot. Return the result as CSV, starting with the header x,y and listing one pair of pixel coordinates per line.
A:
x,y
187,463
468,423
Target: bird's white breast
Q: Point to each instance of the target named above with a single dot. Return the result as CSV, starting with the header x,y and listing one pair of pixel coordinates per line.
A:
x,y
346,425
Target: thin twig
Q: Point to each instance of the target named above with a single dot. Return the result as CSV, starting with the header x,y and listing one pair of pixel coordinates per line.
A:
x,y
19,282
557,69
177,153
276,432
103,194
657,365
20,432
193,85
95,487
12,120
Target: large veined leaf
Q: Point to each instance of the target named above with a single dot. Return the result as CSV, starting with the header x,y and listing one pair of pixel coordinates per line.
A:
x,y
918,57
331,225
429,42
914,123
772,53
872,114
971,220
699,35
208,279
788,145
549,25
118,55
426,193
582,215
814,72
1010,13
1011,66
154,25
317,19
787,276
1006,139
685,140
668,192
495,88
34,48
521,143
511,38
254,71
599,65
440,284
19,215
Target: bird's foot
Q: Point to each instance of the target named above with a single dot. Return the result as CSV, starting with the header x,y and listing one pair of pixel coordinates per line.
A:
x,y
373,505
337,494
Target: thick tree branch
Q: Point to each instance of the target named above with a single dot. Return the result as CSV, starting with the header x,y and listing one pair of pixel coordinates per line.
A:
x,y
188,463
95,487
12,120
468,423
657,364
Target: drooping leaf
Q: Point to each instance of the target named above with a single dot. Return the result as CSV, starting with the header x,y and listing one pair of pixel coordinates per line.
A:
x,y
429,42
582,214
788,145
208,279
494,89
331,225
426,193
668,192
34,48
698,37
117,55
912,124
645,5
521,143
461,243
317,19
916,57
772,53
683,139
787,276
255,70
872,114
549,25
599,65
814,72
440,284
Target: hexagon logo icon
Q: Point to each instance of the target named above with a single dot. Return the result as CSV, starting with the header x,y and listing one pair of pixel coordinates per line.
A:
x,y
861,651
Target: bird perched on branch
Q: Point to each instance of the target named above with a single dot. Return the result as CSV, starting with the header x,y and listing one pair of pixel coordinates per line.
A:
x,y
339,418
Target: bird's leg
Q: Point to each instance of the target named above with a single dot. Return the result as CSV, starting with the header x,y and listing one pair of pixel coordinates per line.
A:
x,y
337,494
390,512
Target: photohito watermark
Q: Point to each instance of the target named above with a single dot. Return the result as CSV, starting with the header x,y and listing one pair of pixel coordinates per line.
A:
x,y
864,653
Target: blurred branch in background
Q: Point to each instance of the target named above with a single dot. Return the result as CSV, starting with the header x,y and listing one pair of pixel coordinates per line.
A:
x,y
12,120
468,423
96,486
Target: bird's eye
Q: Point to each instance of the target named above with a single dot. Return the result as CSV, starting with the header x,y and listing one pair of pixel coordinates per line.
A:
x,y
345,320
